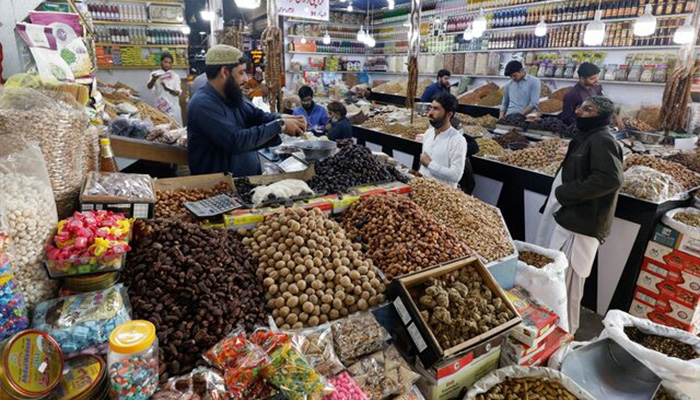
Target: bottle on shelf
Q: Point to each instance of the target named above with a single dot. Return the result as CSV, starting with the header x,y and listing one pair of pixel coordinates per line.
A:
x,y
107,161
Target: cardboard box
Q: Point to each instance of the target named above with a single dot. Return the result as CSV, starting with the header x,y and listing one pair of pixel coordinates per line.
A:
x,y
429,350
673,265
514,353
537,318
664,319
453,378
664,304
674,239
194,182
140,209
554,342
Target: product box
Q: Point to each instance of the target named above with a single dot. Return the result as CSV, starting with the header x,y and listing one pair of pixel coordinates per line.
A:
x,y
670,237
342,203
95,196
647,304
673,266
427,347
537,318
451,379
514,353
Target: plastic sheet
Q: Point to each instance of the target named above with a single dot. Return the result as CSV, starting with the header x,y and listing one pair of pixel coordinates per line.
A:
x,y
650,184
500,375
203,382
83,321
121,186
384,373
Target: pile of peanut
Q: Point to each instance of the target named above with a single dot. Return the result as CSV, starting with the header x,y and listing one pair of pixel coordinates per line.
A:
x,y
537,157
478,224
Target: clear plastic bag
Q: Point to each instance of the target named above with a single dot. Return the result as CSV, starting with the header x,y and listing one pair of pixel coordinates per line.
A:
x,y
689,213
384,373
345,388
650,184
358,335
13,313
291,373
27,202
119,186
203,382
316,344
83,321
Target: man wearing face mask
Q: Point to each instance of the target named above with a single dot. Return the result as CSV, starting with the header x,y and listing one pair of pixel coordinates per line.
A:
x,y
444,147
587,87
340,126
224,129
580,209
316,116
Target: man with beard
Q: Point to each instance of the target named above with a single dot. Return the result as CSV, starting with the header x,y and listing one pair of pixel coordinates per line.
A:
x,y
166,83
316,116
587,87
224,129
441,86
444,147
579,212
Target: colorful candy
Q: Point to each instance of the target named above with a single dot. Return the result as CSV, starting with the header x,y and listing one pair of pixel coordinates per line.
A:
x,y
345,388
13,314
133,361
294,377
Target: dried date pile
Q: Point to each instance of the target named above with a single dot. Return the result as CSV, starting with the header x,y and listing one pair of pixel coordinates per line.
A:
x,y
194,284
399,236
534,259
527,388
517,120
665,345
690,219
685,177
170,202
353,165
459,306
311,271
244,189
688,160
549,125
511,137
476,223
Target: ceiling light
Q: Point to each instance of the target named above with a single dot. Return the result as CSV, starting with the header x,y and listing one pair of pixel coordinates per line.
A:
x,y
541,29
350,8
595,31
369,41
326,38
186,30
684,34
303,40
646,24
479,24
361,34
248,4
207,15
391,4
437,20
468,34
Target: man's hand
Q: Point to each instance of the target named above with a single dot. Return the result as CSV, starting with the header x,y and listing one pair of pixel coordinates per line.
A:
x,y
294,127
501,114
425,159
298,118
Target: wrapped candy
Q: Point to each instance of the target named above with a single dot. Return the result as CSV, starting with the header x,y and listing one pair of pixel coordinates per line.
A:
x,y
13,314
294,377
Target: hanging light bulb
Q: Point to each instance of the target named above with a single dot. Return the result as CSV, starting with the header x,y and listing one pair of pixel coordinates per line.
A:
x,y
207,15
326,38
646,24
468,34
350,8
370,42
479,24
361,34
248,4
595,31
541,29
684,34
391,4
303,40
185,30
437,20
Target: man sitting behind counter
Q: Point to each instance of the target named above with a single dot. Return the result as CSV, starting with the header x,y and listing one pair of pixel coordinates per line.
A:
x,y
224,129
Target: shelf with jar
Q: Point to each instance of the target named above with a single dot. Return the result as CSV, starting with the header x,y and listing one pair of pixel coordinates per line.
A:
x,y
337,47
140,36
137,56
143,13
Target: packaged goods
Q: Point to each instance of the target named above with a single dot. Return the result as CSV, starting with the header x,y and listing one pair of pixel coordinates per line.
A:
x,y
83,321
358,335
526,382
293,376
132,361
650,184
203,382
296,290
682,175
119,186
316,345
389,226
383,374
345,388
32,365
479,225
84,377
183,285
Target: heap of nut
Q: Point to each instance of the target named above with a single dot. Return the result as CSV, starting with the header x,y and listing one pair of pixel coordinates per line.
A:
x,y
399,236
510,138
537,157
479,225
665,345
486,121
639,125
194,284
535,259
527,388
311,271
170,202
406,131
688,218
688,160
459,306
475,130
489,148
682,175
377,122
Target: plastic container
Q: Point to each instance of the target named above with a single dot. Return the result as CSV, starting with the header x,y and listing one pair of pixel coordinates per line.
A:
x,y
660,73
84,266
622,72
31,363
635,73
84,378
91,283
647,74
132,361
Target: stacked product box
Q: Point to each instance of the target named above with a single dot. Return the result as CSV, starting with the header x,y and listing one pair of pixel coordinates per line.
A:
x,y
668,286
533,341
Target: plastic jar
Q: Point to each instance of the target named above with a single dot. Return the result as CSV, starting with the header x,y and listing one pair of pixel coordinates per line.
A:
x,y
132,361
31,363
635,73
660,73
647,74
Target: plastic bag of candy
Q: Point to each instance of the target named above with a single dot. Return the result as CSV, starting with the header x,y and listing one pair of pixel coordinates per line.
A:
x,y
384,373
316,344
345,388
268,339
83,321
294,377
13,314
203,382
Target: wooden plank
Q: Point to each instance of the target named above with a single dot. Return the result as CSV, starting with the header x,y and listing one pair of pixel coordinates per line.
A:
x,y
145,150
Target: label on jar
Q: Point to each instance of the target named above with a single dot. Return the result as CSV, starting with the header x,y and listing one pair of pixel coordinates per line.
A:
x,y
32,362
80,375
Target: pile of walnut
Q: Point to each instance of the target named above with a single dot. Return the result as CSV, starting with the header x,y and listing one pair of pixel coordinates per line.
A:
x,y
682,175
399,236
311,271
537,157
527,388
459,306
478,224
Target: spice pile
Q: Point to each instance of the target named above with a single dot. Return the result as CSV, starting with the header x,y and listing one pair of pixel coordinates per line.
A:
x,y
682,175
560,93
479,225
493,99
665,345
311,271
459,306
534,259
399,236
194,284
353,165
489,147
690,219
512,137
524,388
537,157
170,202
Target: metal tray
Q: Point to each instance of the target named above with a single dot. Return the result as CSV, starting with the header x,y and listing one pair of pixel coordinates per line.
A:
x,y
608,371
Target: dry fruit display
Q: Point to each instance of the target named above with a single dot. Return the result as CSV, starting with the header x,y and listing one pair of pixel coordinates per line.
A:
x,y
316,344
311,271
459,306
493,99
552,168
682,175
170,202
650,184
551,106
527,388
516,120
383,374
478,224
537,157
690,219
635,124
475,130
489,148
358,335
406,131
650,115
688,160
668,346
550,124
378,122
486,121
400,237
479,93
560,93
511,138
545,91
535,259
